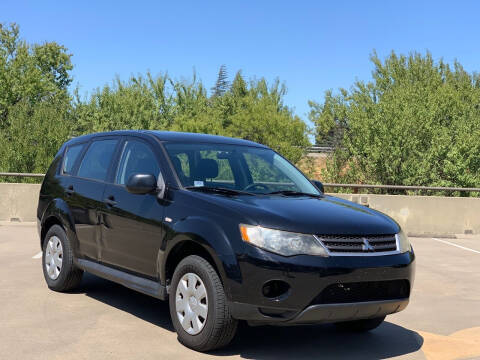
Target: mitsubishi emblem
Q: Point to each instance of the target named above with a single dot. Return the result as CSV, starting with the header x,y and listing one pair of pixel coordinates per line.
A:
x,y
366,245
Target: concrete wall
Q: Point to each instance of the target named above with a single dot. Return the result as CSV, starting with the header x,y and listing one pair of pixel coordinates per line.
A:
x,y
418,215
18,202
426,215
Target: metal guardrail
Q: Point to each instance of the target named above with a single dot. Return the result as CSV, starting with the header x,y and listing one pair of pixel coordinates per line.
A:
x,y
400,187
330,185
320,149
22,174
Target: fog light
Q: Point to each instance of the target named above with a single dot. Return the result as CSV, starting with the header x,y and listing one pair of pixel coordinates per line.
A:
x,y
274,289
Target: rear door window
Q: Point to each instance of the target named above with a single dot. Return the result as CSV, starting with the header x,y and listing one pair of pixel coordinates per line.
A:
x,y
97,159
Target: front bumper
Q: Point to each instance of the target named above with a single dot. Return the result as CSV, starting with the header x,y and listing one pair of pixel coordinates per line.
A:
x,y
324,313
349,311
308,277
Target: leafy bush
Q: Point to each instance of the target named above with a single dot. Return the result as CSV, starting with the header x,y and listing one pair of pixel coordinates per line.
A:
x,y
417,122
37,114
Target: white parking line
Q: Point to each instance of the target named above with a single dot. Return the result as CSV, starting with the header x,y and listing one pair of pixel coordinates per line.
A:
x,y
37,256
459,246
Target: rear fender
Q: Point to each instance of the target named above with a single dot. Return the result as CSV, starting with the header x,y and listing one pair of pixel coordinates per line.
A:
x,y
58,209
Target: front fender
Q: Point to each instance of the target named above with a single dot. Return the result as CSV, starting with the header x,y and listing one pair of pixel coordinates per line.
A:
x,y
212,238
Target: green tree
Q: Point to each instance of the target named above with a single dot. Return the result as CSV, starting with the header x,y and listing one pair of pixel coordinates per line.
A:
x,y
239,86
142,102
33,73
252,111
417,122
35,109
34,136
261,116
37,114
221,85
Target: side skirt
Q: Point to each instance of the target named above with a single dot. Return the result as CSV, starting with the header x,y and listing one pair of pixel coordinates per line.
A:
x,y
137,283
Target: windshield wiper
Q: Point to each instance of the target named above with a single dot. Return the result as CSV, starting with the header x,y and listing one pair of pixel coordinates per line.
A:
x,y
219,190
293,193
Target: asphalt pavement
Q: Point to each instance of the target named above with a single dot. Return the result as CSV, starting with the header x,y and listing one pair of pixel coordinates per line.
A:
x,y
103,320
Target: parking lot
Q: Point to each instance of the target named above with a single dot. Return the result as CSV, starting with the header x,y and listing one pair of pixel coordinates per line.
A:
x,y
103,320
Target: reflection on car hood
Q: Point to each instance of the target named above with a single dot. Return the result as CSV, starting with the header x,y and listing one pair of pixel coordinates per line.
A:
x,y
324,215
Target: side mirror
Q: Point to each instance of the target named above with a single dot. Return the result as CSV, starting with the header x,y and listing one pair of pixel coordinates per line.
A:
x,y
319,185
141,184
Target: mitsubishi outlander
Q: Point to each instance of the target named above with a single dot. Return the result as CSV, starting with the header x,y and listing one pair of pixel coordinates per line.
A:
x,y
224,229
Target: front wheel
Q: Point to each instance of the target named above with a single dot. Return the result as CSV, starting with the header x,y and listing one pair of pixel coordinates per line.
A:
x,y
198,306
360,325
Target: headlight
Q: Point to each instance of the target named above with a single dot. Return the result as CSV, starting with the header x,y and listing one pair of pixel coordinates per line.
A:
x,y
281,242
403,243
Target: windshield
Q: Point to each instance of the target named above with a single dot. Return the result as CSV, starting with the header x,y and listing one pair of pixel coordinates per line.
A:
x,y
240,168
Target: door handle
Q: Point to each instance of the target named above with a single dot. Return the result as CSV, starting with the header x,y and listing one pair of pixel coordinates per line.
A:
x,y
110,201
69,191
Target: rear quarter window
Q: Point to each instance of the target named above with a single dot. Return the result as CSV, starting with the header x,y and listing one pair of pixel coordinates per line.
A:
x,y
71,157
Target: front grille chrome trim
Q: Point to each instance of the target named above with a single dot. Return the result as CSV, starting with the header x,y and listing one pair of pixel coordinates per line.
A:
x,y
359,253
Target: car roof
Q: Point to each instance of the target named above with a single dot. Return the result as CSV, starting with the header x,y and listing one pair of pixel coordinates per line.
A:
x,y
172,136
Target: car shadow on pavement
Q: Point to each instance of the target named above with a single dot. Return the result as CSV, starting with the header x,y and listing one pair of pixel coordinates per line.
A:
x,y
322,342
142,306
269,342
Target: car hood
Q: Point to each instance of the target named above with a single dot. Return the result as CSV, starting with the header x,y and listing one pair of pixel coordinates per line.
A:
x,y
324,215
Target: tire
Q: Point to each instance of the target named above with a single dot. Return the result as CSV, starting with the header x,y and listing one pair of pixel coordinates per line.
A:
x,y
64,278
219,328
360,325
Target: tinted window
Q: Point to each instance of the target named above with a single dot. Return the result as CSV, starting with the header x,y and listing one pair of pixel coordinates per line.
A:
x,y
246,168
225,173
263,170
71,156
97,159
184,163
137,158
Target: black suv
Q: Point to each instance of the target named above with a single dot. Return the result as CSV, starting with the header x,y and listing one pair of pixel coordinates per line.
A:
x,y
225,229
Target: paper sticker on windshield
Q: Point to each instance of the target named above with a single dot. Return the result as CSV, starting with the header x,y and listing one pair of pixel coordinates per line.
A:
x,y
198,183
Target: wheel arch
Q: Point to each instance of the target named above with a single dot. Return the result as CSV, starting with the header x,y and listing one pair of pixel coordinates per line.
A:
x,y
196,236
48,223
186,248
57,213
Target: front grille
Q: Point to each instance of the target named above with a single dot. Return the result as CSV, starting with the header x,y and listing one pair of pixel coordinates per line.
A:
x,y
358,244
363,291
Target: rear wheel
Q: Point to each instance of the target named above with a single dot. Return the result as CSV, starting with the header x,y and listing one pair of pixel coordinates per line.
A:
x,y
198,306
360,325
57,261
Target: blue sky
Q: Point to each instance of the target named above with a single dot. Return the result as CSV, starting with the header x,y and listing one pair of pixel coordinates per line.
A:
x,y
312,46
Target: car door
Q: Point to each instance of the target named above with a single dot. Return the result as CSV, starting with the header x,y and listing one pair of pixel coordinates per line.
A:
x,y
132,223
84,184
